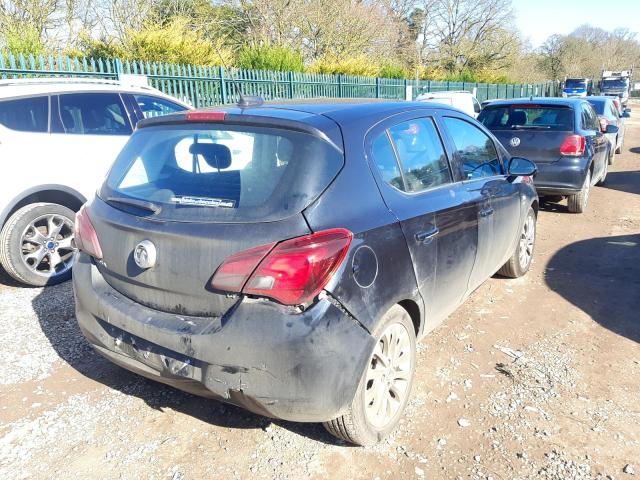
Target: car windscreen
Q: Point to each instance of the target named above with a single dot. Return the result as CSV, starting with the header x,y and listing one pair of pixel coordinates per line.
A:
x,y
527,117
205,173
598,106
614,83
573,83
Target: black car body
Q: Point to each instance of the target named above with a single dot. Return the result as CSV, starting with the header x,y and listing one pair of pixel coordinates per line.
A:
x,y
562,136
420,237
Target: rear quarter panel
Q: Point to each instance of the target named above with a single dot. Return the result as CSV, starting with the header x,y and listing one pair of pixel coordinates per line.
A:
x,y
377,272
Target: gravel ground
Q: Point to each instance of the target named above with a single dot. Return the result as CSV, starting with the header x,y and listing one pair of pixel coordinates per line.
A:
x,y
531,378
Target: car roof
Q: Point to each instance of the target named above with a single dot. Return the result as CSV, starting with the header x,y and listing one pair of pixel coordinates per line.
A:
x,y
447,93
599,98
51,85
569,102
341,111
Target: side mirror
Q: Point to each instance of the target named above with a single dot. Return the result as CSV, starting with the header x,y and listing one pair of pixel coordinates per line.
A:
x,y
521,167
611,129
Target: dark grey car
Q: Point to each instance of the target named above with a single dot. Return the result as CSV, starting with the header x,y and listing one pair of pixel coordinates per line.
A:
x,y
562,136
286,258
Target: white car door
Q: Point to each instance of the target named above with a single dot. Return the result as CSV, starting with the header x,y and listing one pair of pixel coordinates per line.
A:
x,y
88,132
25,146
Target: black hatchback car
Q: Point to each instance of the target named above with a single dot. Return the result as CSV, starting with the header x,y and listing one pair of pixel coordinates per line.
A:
x,y
562,136
285,258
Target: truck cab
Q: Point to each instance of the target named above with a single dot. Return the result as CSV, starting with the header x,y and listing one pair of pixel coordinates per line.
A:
x,y
577,87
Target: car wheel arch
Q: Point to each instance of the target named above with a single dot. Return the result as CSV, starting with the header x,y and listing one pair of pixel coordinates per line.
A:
x,y
58,194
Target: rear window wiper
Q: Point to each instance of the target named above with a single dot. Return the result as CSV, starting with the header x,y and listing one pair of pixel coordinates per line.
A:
x,y
143,204
533,127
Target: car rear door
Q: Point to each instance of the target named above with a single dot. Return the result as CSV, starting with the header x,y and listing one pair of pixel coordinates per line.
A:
x,y
432,205
496,198
88,130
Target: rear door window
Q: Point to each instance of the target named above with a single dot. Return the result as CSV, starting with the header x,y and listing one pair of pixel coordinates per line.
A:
x,y
534,117
475,150
226,174
153,106
422,156
26,114
386,161
93,114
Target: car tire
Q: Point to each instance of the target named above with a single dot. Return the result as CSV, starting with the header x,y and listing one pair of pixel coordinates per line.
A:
x,y
578,203
361,424
520,261
25,240
603,178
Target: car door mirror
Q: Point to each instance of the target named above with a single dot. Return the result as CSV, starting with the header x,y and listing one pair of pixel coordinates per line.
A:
x,y
521,167
626,113
611,129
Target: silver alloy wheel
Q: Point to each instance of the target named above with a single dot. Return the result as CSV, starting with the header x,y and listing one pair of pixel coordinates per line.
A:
x,y
388,376
586,187
527,241
47,245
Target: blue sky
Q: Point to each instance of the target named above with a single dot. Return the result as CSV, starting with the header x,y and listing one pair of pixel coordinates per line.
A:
x,y
537,19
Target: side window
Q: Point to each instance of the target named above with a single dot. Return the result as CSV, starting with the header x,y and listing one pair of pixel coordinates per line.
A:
x,y
155,106
421,153
93,114
591,121
385,159
474,148
26,114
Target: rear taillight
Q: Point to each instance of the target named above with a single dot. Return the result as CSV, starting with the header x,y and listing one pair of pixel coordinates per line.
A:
x,y
573,145
617,104
293,272
85,235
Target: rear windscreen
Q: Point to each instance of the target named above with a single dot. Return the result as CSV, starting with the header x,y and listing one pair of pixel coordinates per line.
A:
x,y
534,117
221,173
598,106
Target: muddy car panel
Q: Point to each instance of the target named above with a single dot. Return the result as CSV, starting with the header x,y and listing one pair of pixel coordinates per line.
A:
x,y
295,362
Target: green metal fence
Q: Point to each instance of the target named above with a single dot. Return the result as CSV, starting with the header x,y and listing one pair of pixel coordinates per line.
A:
x,y
205,86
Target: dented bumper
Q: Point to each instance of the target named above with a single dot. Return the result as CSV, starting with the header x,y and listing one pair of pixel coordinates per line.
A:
x,y
260,356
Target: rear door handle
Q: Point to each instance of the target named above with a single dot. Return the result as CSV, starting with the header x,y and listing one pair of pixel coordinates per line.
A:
x,y
426,235
486,212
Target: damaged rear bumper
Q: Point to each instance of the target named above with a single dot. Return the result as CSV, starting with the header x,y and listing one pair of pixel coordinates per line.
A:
x,y
261,356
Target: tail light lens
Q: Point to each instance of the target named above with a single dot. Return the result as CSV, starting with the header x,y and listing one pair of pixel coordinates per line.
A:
x,y
573,145
603,124
85,235
617,104
292,272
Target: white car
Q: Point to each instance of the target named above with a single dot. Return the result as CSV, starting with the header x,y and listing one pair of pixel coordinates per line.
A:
x,y
461,100
58,138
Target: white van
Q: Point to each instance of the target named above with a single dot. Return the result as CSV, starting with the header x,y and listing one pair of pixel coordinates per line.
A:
x,y
461,100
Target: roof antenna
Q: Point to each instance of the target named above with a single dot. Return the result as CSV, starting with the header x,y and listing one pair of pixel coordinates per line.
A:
x,y
245,101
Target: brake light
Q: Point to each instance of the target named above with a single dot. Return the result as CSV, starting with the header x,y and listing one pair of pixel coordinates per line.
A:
x,y
293,272
617,104
235,271
573,145
205,116
85,235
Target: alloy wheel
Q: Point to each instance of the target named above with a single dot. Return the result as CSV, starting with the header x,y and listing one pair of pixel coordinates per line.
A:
x,y
388,376
527,241
47,246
